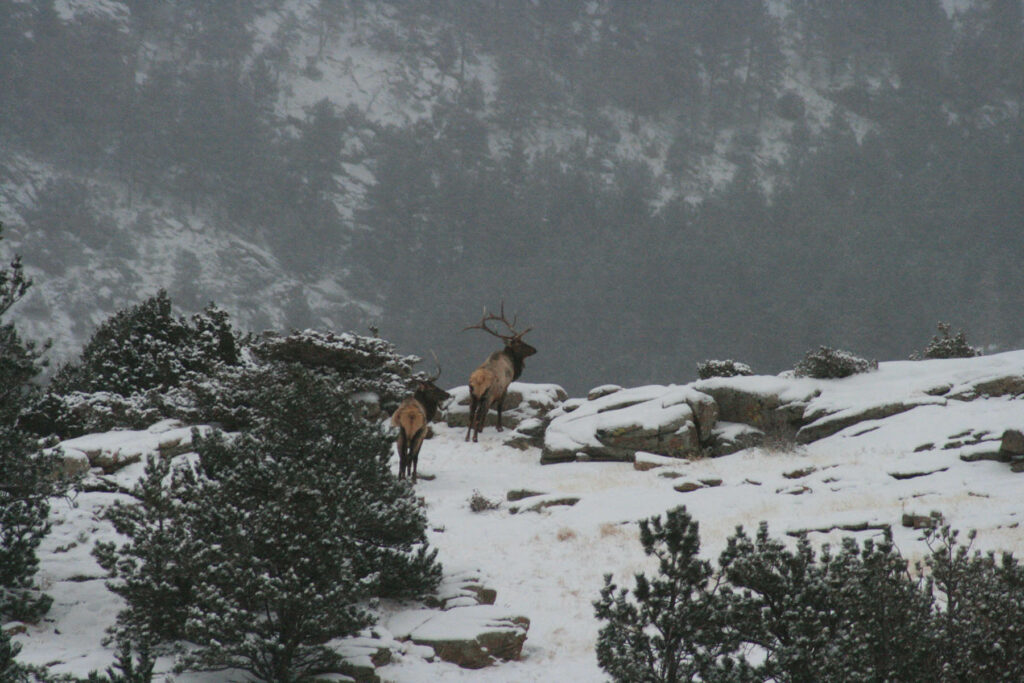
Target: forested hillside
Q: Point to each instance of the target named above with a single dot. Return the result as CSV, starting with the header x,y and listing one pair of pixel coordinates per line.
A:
x,y
680,179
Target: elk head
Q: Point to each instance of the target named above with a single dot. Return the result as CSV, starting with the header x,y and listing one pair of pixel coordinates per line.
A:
x,y
428,392
514,344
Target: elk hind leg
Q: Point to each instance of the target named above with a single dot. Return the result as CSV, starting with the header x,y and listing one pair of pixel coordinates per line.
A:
x,y
403,454
480,419
414,450
501,404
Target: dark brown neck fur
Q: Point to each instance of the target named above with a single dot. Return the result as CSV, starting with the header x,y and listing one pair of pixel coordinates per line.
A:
x,y
517,362
429,404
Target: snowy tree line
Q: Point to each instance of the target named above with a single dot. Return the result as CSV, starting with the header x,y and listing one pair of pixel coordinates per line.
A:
x,y
897,210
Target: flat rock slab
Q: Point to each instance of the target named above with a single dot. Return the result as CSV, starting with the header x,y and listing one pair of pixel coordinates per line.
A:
x,y
469,637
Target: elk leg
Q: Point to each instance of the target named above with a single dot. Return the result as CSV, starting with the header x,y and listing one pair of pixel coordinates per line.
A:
x,y
403,449
478,415
414,451
472,415
501,404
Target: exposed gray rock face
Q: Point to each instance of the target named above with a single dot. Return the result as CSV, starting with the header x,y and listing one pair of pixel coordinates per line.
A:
x,y
754,403
732,437
1012,443
665,420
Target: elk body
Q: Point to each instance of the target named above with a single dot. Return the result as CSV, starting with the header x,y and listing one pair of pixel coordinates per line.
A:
x,y
412,417
489,382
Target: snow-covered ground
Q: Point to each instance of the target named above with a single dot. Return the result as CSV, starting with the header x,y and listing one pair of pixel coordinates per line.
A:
x,y
548,565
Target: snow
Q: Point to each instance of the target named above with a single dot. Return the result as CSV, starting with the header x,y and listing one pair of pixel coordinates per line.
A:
x,y
549,565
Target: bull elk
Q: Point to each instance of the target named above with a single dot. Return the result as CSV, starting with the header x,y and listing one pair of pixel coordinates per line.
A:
x,y
489,382
412,417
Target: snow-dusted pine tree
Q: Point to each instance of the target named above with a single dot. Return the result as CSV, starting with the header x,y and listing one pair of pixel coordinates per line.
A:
x,y
153,571
670,629
274,539
28,477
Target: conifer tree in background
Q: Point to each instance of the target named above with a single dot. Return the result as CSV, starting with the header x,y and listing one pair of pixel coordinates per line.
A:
x,y
28,477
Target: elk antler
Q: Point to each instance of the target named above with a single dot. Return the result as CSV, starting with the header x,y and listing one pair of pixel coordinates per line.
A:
x,y
482,325
434,378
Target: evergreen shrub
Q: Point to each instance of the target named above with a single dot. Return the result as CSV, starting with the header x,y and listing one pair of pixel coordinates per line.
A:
x,y
273,541
772,612
947,345
829,363
722,368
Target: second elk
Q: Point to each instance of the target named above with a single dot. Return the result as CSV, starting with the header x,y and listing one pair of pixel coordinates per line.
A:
x,y
489,382
412,418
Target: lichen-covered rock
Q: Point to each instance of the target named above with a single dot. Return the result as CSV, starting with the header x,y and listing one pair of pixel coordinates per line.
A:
x,y
832,423
363,654
602,391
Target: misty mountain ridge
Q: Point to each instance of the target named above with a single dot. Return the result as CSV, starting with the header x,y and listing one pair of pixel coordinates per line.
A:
x,y
747,181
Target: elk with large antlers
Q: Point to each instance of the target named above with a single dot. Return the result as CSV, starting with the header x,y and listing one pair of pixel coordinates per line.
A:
x,y
489,382
412,418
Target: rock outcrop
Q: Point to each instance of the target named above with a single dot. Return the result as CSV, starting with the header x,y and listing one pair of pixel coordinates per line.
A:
x,y
665,420
469,637
523,401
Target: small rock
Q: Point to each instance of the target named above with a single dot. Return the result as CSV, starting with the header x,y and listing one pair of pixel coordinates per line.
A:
x,y
1012,442
687,486
801,473
913,521
603,390
552,502
519,494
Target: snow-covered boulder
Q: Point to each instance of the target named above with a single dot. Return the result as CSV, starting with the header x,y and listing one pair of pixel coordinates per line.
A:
x,y
731,437
110,451
522,402
764,402
463,589
664,420
364,653
470,637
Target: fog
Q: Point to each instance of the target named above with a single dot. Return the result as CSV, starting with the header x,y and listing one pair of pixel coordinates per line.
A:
x,y
647,185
